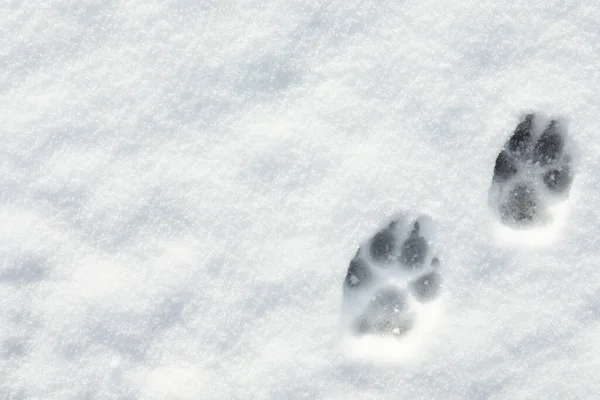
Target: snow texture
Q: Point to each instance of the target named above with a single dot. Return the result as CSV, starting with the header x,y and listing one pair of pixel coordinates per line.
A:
x,y
183,185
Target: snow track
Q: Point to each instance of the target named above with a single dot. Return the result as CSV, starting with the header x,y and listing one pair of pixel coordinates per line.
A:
x,y
183,185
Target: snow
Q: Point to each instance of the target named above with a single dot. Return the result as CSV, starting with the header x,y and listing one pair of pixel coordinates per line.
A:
x,y
183,185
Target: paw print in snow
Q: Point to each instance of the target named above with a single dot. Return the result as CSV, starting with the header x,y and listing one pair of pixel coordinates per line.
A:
x,y
390,276
532,172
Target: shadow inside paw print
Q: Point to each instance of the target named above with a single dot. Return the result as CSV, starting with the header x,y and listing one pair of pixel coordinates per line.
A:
x,y
389,274
532,172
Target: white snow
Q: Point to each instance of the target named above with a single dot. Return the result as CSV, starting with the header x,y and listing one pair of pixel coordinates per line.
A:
x,y
183,184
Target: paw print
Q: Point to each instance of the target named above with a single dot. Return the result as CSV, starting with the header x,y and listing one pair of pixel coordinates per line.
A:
x,y
391,273
532,172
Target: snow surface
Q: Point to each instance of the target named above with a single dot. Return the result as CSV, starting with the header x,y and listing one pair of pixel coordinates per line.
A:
x,y
183,184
